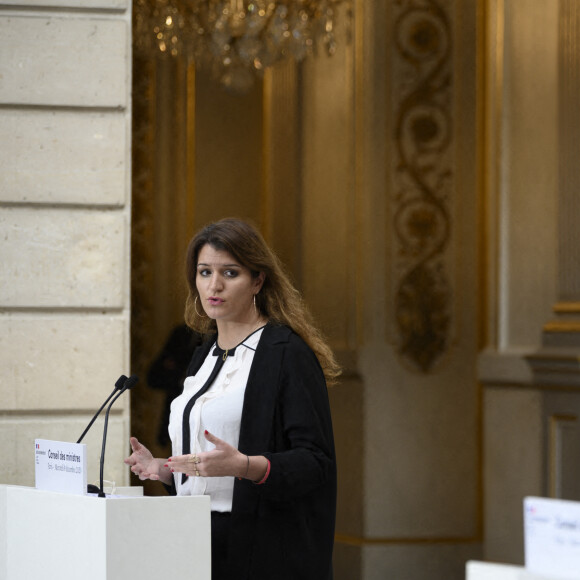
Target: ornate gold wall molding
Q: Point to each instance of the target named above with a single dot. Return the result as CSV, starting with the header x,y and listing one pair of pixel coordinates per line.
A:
x,y
422,179
569,141
567,308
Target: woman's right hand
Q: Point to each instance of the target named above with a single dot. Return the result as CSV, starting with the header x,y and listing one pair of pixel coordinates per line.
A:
x,y
146,466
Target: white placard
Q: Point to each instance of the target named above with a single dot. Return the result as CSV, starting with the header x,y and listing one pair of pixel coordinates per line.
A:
x,y
552,537
60,466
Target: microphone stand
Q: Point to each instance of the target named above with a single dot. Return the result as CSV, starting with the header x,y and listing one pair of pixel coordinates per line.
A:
x,y
118,386
129,383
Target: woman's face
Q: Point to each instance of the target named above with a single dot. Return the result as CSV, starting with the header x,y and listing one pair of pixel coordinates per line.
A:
x,y
226,288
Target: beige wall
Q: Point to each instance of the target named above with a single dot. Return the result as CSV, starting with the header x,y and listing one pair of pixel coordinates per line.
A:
x,y
64,224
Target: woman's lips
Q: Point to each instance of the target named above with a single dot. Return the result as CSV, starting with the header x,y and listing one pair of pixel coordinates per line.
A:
x,y
215,301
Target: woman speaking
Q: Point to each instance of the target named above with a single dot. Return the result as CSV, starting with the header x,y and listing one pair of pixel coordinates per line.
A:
x,y
252,428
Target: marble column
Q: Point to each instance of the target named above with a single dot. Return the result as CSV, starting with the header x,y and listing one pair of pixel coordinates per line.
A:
x,y
557,362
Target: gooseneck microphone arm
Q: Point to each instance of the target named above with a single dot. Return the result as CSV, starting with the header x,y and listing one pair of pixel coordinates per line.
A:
x,y
118,386
129,384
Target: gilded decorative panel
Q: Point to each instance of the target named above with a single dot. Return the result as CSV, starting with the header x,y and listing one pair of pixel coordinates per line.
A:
x,y
422,180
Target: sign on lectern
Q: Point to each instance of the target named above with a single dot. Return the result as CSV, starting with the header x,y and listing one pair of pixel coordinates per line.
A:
x,y
60,466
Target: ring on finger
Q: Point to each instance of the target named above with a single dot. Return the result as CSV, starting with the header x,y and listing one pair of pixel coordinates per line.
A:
x,y
193,458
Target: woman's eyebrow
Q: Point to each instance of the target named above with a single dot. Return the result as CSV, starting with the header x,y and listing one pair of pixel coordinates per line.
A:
x,y
219,265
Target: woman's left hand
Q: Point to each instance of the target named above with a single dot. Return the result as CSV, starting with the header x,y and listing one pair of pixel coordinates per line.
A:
x,y
224,460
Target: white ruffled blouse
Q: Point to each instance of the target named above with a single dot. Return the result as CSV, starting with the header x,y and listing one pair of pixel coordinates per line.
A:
x,y
219,410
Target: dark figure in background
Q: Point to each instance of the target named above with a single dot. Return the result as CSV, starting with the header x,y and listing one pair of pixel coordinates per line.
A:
x,y
168,370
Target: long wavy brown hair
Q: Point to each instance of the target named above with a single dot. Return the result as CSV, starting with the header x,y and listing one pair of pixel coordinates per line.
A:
x,y
278,300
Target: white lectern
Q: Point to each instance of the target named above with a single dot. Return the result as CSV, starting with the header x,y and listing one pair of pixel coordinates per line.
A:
x,y
52,535
492,571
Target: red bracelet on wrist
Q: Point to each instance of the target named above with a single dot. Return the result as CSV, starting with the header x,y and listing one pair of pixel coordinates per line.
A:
x,y
263,480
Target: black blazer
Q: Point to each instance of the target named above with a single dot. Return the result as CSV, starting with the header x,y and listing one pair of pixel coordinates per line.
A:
x,y
284,529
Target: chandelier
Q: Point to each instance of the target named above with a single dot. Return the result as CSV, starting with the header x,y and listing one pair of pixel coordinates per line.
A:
x,y
237,39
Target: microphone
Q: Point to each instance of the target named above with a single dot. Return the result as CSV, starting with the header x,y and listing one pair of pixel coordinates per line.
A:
x,y
129,384
118,386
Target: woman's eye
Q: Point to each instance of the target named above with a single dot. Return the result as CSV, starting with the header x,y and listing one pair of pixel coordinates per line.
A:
x,y
204,272
230,273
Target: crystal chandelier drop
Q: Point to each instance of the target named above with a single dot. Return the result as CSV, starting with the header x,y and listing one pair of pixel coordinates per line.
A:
x,y
237,39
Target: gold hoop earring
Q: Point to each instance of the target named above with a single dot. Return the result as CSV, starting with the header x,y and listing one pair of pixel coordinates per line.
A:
x,y
195,307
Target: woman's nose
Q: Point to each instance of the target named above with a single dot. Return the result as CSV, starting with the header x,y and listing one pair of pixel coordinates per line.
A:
x,y
215,282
